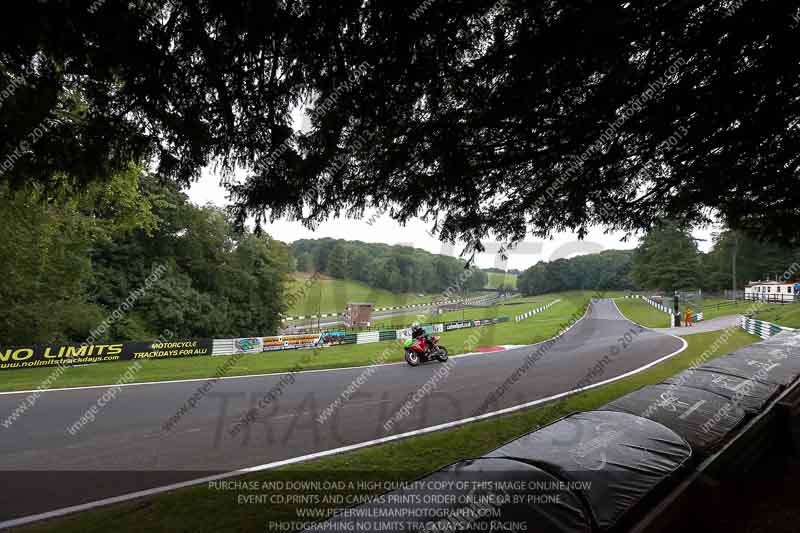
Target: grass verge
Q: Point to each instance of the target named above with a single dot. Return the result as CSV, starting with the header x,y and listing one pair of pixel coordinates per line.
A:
x,y
642,313
499,279
201,509
713,308
787,315
330,295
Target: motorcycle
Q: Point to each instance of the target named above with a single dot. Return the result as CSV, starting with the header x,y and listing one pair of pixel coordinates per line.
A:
x,y
418,351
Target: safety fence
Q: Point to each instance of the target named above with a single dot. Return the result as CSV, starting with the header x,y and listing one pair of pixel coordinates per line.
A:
x,y
467,301
761,328
696,317
538,310
71,354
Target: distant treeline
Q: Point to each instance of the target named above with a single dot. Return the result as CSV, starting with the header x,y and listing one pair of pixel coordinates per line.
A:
x,y
667,259
608,270
131,260
394,268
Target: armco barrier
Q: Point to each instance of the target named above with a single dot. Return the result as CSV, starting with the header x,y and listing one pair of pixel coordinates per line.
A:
x,y
538,310
761,328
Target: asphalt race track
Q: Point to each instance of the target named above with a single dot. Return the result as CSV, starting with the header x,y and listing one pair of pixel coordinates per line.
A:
x,y
124,450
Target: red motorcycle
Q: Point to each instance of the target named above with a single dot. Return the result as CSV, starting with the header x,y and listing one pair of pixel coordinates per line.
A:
x,y
418,351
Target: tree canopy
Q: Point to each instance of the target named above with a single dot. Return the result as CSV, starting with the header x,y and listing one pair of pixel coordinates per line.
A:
x,y
485,118
70,262
667,259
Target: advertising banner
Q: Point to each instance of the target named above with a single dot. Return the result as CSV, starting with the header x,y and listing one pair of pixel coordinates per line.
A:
x,y
332,338
290,342
388,335
44,355
248,345
458,325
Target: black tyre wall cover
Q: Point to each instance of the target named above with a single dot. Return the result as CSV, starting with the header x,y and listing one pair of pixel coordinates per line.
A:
x,y
789,339
776,352
703,418
777,368
480,493
621,456
749,394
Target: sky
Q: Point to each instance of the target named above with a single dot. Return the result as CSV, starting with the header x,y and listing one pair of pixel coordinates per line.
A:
x,y
385,230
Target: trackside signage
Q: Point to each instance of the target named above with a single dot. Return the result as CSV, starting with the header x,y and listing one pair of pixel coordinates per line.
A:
x,y
37,355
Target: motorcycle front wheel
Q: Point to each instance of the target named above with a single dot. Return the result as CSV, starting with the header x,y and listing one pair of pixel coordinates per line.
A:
x,y
442,354
412,357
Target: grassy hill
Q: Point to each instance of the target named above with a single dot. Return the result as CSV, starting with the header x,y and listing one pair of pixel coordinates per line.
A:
x,y
335,293
782,314
642,313
497,279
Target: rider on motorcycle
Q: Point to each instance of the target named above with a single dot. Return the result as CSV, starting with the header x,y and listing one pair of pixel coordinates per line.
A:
x,y
417,332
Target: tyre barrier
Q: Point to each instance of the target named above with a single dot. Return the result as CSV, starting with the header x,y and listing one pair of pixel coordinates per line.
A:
x,y
471,495
749,394
761,328
621,458
632,464
705,419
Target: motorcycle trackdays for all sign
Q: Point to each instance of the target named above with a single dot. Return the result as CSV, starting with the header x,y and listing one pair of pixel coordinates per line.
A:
x,y
43,355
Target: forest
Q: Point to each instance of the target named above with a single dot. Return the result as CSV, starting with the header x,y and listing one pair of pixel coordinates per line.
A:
x,y
135,256
394,268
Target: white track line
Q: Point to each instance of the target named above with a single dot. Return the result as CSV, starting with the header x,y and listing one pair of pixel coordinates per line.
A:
x,y
318,455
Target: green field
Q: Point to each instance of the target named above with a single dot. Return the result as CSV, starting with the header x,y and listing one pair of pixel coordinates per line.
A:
x,y
787,315
716,307
538,328
197,509
332,295
509,308
642,313
498,279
